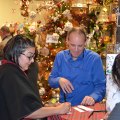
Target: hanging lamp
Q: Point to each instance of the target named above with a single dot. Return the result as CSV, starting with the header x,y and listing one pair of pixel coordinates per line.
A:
x,y
81,3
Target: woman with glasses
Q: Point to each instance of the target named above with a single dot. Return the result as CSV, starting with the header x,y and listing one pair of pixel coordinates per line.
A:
x,y
18,96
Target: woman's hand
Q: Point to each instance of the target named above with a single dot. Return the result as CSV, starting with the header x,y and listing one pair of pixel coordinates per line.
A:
x,y
63,108
52,104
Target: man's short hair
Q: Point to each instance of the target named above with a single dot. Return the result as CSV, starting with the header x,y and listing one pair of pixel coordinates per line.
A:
x,y
77,30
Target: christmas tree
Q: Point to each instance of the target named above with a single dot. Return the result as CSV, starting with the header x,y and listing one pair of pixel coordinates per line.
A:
x,y
62,15
63,18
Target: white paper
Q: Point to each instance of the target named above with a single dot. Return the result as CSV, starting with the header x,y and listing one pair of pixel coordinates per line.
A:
x,y
80,110
109,62
85,108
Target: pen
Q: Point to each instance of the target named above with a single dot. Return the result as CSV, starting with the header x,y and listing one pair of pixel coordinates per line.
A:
x,y
96,111
99,111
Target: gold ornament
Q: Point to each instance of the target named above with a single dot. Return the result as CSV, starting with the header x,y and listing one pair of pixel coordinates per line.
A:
x,y
44,51
46,75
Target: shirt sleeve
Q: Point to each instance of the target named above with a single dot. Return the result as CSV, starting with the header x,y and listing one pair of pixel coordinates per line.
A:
x,y
99,80
19,94
54,76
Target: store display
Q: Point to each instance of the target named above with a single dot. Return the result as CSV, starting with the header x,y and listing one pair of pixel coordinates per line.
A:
x,y
95,17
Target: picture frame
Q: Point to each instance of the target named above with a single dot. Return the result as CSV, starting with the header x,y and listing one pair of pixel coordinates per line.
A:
x,y
93,7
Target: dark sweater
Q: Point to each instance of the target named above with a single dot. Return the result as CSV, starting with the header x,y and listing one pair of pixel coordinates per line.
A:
x,y
17,93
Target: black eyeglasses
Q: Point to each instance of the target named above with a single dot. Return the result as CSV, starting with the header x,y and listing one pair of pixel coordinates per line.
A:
x,y
29,57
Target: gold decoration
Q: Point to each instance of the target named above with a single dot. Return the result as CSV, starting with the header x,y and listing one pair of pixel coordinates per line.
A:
x,y
103,16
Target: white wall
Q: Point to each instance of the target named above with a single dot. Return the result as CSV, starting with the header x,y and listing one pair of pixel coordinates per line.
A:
x,y
8,16
6,12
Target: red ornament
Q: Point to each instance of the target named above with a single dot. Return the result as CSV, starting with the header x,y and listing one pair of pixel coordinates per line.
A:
x,y
59,4
39,21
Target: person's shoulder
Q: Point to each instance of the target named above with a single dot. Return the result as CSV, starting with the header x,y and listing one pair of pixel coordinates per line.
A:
x,y
4,42
91,53
8,68
62,52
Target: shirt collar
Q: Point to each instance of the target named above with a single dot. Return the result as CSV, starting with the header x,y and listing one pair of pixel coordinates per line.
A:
x,y
6,62
69,56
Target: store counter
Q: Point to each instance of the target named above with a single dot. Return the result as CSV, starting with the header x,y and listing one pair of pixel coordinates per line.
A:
x,y
77,114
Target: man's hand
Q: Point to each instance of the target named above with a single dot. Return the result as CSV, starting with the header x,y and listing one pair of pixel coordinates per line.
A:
x,y
66,85
88,101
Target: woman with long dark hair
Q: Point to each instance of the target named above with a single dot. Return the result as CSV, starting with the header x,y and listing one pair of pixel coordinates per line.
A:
x,y
18,96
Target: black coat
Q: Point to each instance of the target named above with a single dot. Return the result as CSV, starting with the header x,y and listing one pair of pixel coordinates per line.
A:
x,y
17,93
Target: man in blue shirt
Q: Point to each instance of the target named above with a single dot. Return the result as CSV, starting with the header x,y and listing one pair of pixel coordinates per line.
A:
x,y
78,72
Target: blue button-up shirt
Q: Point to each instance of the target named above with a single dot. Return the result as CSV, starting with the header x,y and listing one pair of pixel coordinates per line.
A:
x,y
86,75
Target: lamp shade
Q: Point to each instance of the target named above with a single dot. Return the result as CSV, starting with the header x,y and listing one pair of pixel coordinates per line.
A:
x,y
79,3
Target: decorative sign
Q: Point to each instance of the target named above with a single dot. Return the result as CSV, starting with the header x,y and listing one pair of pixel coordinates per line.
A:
x,y
52,38
110,48
109,62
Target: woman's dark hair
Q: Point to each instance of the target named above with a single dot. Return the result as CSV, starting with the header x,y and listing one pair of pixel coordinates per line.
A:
x,y
116,70
15,46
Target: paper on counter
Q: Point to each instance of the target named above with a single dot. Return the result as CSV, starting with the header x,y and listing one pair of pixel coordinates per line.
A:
x,y
80,110
85,108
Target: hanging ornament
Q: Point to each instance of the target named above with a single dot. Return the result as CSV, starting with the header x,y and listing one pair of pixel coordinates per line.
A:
x,y
99,1
103,16
67,14
68,26
56,1
53,93
53,101
46,75
24,13
42,91
32,15
39,21
44,51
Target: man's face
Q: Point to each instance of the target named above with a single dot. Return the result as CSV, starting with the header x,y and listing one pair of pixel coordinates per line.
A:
x,y
76,44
